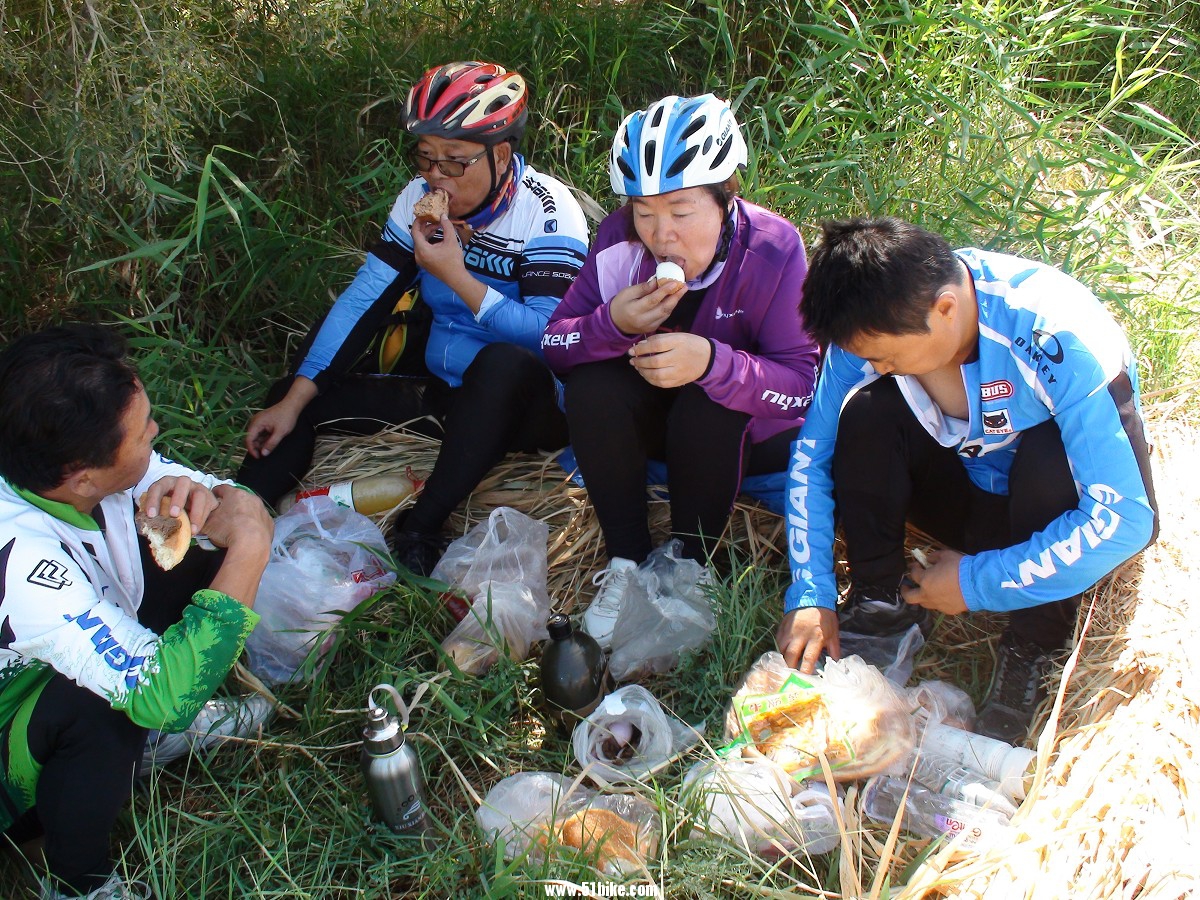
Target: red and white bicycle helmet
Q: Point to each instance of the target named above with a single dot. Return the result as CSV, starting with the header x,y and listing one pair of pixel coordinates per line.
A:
x,y
469,101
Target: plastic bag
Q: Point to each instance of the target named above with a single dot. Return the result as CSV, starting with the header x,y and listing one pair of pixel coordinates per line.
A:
x,y
628,736
665,613
509,548
325,560
502,616
755,804
848,713
531,810
892,654
943,703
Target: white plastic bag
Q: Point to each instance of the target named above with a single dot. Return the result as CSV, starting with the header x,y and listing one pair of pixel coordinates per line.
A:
x,y
531,810
664,614
516,806
628,736
756,805
509,548
503,616
325,560
893,654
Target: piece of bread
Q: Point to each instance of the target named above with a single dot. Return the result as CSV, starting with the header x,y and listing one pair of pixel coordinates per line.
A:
x,y
600,832
858,742
432,207
169,537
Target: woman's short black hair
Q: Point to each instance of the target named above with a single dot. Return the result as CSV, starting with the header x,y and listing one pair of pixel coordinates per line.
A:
x,y
875,277
63,392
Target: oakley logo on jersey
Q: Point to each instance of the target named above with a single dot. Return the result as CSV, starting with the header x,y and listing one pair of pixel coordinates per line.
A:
x,y
49,574
996,390
1049,345
560,340
116,656
1036,355
1100,527
782,400
797,500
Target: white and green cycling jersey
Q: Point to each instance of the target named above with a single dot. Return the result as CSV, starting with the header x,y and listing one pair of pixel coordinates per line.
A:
x,y
70,589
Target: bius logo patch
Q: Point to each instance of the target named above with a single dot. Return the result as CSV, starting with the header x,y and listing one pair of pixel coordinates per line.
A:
x,y
996,390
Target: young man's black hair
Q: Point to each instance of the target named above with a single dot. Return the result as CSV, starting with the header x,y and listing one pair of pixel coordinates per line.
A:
x,y
62,391
874,276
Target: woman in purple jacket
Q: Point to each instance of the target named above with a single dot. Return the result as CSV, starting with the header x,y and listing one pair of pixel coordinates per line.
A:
x,y
709,372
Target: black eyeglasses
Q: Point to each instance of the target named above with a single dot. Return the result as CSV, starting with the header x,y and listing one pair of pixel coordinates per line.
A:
x,y
451,168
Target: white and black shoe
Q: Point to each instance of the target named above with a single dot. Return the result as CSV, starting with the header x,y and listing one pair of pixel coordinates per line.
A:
x,y
600,617
218,720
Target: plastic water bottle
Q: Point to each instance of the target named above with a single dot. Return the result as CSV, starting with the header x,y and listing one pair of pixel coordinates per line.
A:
x,y
369,495
572,673
392,769
961,783
930,814
1010,766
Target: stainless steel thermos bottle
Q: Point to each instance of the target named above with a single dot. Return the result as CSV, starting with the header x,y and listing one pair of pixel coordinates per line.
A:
x,y
392,769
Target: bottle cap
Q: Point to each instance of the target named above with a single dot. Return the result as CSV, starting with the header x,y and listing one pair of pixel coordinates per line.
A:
x,y
559,627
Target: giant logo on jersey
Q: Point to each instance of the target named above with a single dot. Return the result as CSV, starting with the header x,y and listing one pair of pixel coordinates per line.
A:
x,y
797,501
116,656
1101,526
560,340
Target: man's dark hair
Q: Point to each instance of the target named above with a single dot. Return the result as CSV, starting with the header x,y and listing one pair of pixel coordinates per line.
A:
x,y
875,277
63,391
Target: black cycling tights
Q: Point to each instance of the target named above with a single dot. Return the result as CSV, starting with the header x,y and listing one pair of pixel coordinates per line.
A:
x,y
618,421
506,403
888,469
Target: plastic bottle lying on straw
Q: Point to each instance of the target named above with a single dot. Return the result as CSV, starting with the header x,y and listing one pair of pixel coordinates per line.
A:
x,y
930,814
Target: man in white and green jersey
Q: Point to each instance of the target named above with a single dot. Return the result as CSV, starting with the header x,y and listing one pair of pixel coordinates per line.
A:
x,y
98,646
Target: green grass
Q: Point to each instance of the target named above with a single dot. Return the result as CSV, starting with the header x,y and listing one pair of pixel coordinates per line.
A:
x,y
207,175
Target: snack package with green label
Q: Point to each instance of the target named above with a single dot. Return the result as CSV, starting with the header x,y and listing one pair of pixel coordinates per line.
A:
x,y
849,714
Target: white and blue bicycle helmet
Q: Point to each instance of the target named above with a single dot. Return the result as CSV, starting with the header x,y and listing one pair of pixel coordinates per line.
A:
x,y
677,142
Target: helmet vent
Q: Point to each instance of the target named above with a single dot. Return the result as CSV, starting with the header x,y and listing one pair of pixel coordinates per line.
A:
x,y
657,120
626,170
693,126
648,155
682,161
721,154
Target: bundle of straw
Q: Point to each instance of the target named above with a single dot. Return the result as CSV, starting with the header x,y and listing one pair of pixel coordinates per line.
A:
x,y
1111,813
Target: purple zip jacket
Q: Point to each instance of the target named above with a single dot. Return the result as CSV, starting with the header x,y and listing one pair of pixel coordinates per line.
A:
x,y
764,362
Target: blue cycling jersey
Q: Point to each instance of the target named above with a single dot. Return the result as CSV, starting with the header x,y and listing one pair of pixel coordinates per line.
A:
x,y
527,257
1047,349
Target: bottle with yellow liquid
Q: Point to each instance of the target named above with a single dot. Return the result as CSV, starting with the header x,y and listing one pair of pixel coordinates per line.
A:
x,y
369,495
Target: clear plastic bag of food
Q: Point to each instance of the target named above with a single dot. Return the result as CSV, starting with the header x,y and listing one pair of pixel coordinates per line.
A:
x,y
508,548
534,811
628,736
848,715
503,617
325,560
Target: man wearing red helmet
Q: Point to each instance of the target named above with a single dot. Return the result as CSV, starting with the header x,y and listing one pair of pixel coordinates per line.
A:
x,y
490,271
